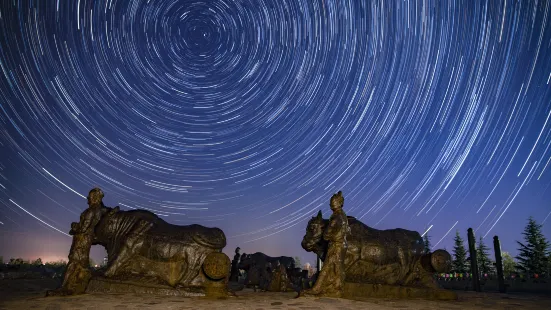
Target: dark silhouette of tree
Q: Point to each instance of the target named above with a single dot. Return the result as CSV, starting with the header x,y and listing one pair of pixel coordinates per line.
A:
x,y
16,261
297,262
426,243
56,264
533,254
460,254
485,264
38,262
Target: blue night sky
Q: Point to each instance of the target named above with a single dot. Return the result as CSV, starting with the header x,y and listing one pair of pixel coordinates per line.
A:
x,y
249,114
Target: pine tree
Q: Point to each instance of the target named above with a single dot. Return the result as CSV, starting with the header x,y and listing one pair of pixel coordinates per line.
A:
x,y
534,252
485,264
508,263
426,243
297,262
460,254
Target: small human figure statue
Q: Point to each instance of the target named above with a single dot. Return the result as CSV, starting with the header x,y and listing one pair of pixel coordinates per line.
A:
x,y
284,278
279,281
266,278
234,274
253,276
242,271
275,283
78,274
330,281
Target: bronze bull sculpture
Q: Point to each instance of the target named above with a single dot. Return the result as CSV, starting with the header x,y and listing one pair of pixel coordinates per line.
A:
x,y
393,257
139,243
257,265
261,259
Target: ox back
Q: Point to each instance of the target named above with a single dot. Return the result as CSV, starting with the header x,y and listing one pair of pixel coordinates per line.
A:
x,y
112,230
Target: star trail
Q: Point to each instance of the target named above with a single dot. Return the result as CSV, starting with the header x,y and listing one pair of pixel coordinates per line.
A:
x,y
248,115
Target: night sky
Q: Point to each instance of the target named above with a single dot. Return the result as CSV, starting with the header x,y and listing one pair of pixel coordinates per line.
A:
x,y
249,114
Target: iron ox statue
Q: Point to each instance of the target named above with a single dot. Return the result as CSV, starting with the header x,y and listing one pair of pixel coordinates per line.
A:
x,y
257,266
393,256
260,260
139,242
143,247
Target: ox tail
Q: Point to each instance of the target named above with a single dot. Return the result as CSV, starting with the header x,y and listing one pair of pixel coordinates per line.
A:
x,y
213,238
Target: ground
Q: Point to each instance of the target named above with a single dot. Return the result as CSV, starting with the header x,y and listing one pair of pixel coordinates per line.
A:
x,y
29,294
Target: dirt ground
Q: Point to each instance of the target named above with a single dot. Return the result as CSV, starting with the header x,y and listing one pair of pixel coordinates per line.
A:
x,y
29,294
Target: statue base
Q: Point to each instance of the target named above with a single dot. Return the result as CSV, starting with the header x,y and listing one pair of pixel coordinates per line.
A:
x,y
358,290
104,285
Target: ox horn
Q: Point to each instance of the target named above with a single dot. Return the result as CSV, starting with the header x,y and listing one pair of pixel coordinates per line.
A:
x,y
319,215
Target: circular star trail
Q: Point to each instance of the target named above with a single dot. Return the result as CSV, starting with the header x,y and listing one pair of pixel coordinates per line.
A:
x,y
249,115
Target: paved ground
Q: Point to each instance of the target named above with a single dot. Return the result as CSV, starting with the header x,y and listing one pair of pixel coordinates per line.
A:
x,y
28,294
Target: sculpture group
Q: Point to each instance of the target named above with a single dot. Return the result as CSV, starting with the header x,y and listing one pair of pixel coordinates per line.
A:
x,y
266,273
356,253
144,249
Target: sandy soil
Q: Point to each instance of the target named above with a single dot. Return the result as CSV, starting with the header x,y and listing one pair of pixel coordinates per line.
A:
x,y
29,294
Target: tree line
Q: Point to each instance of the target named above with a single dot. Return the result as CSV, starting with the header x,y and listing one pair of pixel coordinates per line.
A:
x,y
19,262
533,259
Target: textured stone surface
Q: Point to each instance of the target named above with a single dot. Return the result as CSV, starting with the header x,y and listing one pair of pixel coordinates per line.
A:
x,y
354,290
102,285
29,294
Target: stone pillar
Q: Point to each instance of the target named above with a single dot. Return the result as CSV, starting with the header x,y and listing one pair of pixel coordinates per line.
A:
x,y
474,265
499,265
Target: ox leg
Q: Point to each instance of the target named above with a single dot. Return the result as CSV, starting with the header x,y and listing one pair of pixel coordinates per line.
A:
x,y
191,271
411,274
192,275
131,245
403,265
198,281
126,253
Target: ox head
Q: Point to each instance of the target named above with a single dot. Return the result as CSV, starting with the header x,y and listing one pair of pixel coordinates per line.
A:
x,y
313,240
245,262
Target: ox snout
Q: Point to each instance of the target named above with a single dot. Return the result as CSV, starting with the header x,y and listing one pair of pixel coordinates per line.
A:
x,y
306,245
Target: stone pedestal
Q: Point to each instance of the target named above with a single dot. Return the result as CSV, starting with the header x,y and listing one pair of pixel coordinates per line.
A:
x,y
104,285
216,289
215,272
359,290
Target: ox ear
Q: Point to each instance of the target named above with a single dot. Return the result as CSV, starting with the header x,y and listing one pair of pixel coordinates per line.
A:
x,y
319,216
